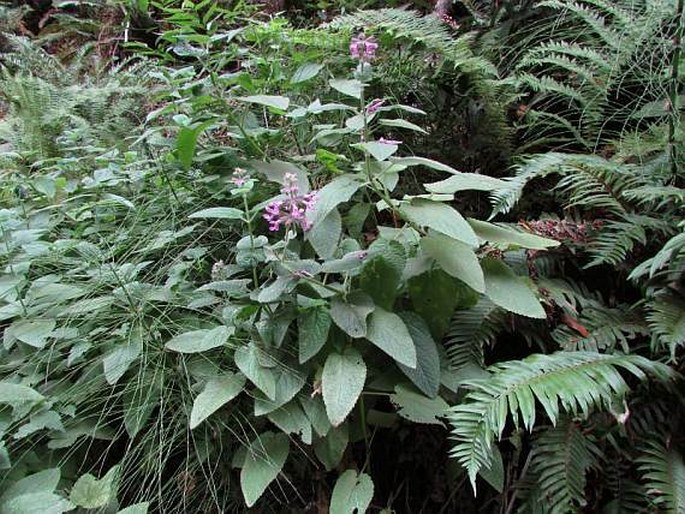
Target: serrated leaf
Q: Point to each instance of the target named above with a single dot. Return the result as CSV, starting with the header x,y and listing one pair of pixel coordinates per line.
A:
x,y
351,316
90,493
306,71
387,331
117,362
313,326
44,482
291,419
351,87
465,182
247,359
138,508
334,193
342,382
14,394
330,448
510,291
426,375
264,460
455,258
277,102
226,213
422,161
399,123
32,332
288,383
197,341
352,493
439,217
507,238
217,392
325,235
42,502
418,408
379,151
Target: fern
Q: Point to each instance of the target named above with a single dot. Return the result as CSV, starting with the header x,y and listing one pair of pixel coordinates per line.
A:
x,y
664,476
560,459
666,319
470,330
573,382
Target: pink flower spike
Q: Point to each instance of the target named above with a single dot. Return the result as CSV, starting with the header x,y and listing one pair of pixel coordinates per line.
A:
x,y
384,141
373,107
363,48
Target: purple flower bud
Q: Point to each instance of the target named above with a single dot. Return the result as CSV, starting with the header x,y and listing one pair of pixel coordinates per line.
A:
x,y
374,106
384,141
363,48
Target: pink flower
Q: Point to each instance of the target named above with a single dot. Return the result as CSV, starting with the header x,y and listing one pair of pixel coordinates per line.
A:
x,y
293,209
384,141
363,48
374,106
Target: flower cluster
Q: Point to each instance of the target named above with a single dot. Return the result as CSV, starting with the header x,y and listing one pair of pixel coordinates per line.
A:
x,y
363,48
374,106
291,210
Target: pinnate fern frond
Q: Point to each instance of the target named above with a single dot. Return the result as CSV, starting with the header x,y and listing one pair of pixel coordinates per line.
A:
x,y
664,476
560,460
666,318
574,382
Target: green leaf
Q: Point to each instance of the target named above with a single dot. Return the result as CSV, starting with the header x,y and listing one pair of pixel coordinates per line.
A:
x,y
325,235
379,151
342,382
34,333
352,493
264,460
315,410
465,182
117,362
387,331
435,296
90,493
418,408
313,326
277,102
138,508
399,123
351,88
217,392
456,258
422,161
439,217
226,213
15,394
380,280
351,316
197,341
42,482
426,375
186,142
288,383
510,291
49,420
330,448
248,358
305,72
291,419
334,193
507,238
42,502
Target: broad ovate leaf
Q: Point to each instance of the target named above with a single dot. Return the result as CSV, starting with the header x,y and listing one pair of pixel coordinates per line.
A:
x,y
197,341
439,217
276,102
426,375
264,460
456,258
505,237
217,392
389,333
352,87
510,291
352,493
342,382
90,493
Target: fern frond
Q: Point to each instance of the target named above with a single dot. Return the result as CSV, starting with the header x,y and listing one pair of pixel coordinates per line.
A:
x,y
666,318
574,382
470,330
560,459
664,476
